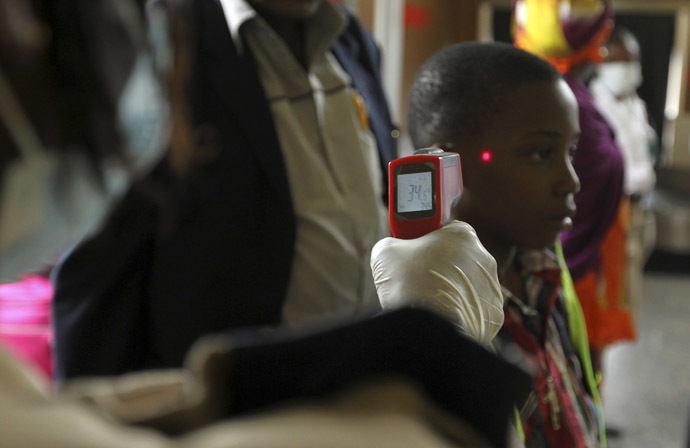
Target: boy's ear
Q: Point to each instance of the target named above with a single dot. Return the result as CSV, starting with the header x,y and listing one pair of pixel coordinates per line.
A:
x,y
447,147
468,152
463,150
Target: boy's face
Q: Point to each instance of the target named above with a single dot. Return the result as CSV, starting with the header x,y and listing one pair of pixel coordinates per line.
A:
x,y
523,195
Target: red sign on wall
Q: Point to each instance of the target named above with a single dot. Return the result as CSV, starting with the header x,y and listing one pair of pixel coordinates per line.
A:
x,y
416,16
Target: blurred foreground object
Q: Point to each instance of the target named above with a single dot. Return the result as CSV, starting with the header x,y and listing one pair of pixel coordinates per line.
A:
x,y
84,113
25,321
404,378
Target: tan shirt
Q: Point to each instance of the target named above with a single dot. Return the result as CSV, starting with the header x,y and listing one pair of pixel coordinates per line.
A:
x,y
332,163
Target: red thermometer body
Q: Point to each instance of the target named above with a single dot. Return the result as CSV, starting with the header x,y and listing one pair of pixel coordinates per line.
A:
x,y
423,189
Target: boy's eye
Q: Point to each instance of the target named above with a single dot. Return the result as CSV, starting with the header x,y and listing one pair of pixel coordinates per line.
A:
x,y
541,154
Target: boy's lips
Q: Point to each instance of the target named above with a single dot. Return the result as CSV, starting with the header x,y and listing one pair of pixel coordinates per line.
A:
x,y
562,220
560,224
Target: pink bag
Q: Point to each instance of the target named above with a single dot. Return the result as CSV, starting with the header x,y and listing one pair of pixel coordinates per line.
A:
x,y
25,321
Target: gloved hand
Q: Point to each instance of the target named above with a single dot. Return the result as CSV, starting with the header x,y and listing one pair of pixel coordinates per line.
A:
x,y
447,271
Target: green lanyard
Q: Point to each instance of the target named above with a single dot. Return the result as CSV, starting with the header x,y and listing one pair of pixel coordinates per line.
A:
x,y
578,334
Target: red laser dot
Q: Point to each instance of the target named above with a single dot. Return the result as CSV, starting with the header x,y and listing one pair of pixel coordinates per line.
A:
x,y
486,156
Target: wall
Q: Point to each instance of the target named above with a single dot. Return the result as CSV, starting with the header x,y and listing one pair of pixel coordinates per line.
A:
x,y
365,12
677,142
431,25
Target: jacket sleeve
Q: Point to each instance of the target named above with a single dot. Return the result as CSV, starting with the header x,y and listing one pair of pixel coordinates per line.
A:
x,y
578,335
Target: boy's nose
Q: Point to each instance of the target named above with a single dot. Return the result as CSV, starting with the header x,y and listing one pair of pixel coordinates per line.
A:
x,y
568,182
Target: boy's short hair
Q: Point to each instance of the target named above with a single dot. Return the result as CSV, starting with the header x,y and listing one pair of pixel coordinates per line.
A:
x,y
458,91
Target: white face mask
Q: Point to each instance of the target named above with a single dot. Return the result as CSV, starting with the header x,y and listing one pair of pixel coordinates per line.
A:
x,y
621,77
49,200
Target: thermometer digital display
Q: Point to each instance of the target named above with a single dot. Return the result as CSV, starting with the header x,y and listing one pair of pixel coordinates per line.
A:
x,y
423,189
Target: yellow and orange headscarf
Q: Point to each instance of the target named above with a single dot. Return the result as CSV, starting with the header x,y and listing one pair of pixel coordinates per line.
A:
x,y
564,32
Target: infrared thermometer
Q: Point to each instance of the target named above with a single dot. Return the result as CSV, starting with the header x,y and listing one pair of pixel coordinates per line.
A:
x,y
422,190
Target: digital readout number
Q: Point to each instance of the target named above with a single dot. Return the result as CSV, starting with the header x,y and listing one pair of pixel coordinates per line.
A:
x,y
414,192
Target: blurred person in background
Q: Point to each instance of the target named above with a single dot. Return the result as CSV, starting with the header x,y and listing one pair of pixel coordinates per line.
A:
x,y
615,91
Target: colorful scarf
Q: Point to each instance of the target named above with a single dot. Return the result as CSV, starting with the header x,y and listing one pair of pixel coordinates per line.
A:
x,y
564,32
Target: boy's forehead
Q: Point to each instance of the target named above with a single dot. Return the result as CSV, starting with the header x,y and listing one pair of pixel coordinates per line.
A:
x,y
548,105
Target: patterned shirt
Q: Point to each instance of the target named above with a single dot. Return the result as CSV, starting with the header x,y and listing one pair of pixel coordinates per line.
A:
x,y
560,412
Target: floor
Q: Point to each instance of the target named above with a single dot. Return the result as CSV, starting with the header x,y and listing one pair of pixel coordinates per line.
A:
x,y
647,389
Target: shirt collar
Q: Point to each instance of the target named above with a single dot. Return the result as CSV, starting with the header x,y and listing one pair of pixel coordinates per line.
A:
x,y
326,24
532,261
237,13
535,266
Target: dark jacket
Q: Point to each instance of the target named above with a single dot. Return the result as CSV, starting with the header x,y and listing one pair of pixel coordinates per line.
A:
x,y
129,298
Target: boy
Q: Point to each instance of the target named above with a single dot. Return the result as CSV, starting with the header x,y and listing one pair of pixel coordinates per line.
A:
x,y
514,122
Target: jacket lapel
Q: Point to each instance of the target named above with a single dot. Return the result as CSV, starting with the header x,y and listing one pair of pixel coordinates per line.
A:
x,y
235,79
359,60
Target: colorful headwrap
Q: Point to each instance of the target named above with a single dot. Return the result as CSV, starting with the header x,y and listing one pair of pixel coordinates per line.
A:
x,y
564,32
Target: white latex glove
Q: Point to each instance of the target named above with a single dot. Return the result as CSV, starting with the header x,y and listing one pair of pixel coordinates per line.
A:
x,y
447,271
